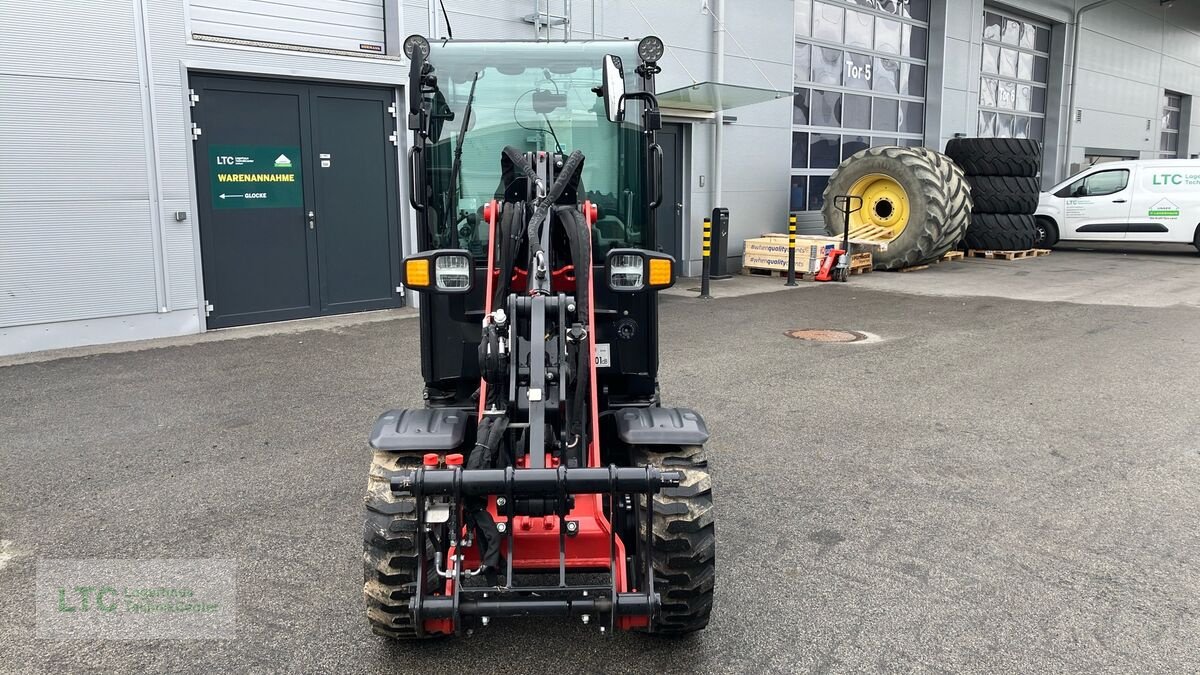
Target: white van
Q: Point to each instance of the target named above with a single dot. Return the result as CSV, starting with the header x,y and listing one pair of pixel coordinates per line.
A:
x,y
1135,201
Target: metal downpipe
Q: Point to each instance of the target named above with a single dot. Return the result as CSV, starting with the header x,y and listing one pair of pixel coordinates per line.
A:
x,y
1075,30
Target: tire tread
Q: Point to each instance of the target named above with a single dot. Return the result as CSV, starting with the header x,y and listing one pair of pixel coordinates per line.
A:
x,y
684,548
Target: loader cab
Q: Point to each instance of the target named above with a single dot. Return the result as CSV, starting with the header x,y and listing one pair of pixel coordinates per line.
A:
x,y
547,99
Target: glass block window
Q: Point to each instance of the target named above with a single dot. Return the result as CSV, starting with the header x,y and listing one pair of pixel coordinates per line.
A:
x,y
1172,111
859,79
1012,86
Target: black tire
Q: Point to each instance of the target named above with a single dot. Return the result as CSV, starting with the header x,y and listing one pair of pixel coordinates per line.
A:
x,y
1196,240
960,202
1005,194
1047,232
996,156
1001,232
685,543
938,194
390,555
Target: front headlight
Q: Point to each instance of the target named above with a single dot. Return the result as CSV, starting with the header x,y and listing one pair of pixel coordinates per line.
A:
x,y
625,272
439,271
452,272
632,269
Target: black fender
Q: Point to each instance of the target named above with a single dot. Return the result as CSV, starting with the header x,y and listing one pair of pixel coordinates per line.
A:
x,y
420,429
661,426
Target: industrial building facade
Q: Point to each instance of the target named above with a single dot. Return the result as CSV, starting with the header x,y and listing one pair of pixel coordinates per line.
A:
x,y
175,166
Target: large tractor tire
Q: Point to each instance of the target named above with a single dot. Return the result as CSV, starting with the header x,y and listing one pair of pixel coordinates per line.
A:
x,y
685,544
1002,232
996,156
390,554
914,199
1005,194
960,201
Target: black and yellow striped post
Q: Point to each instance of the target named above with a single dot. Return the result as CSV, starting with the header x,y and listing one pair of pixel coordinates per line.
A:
x,y
791,275
706,258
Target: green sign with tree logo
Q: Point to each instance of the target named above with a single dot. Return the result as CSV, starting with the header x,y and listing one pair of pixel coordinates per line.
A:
x,y
255,176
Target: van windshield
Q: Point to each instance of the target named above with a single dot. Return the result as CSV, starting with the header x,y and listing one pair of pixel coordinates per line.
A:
x,y
534,97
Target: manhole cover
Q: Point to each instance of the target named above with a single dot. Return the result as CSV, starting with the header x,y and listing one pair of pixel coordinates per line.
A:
x,y
825,335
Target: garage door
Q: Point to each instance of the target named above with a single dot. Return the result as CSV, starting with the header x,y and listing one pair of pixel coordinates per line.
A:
x,y
859,82
345,25
298,199
1012,86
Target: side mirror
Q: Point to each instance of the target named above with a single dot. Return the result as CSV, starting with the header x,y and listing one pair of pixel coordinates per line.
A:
x,y
416,48
439,271
613,89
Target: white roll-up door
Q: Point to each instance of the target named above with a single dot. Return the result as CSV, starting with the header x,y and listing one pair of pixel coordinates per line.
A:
x,y
348,25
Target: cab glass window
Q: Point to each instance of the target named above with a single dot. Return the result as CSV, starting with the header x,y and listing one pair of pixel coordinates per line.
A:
x,y
531,102
1097,185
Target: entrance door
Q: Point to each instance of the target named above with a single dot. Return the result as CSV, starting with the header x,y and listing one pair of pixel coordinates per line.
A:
x,y
669,215
297,193
355,180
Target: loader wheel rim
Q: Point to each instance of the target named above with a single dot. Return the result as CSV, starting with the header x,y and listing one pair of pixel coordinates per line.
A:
x,y
885,204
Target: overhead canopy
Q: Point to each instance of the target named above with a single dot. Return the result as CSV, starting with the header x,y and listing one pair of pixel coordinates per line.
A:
x,y
716,97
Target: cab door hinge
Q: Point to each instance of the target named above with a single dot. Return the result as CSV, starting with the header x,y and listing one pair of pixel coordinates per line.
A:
x,y
400,290
392,110
193,97
195,131
392,137
208,308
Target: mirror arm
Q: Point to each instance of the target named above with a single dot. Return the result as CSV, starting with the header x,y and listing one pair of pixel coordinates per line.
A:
x,y
651,117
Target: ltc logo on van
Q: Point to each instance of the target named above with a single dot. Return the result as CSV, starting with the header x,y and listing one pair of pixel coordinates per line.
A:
x,y
1165,209
1173,179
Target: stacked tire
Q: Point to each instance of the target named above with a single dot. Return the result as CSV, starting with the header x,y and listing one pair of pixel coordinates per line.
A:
x,y
936,201
1003,177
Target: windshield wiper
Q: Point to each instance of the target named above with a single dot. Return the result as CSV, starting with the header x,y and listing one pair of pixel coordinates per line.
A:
x,y
452,193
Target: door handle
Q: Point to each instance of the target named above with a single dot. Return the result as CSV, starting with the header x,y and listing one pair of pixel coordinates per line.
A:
x,y
656,163
312,220
1118,201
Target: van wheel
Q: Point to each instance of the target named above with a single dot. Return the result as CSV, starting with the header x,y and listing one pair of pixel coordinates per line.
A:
x,y
1047,233
1196,240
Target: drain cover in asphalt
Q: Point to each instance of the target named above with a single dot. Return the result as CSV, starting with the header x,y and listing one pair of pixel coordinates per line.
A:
x,y
825,335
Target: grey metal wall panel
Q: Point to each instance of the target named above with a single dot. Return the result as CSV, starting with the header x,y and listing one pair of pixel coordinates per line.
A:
x,y
181,261
84,40
1103,53
77,260
474,25
331,24
71,140
416,17
172,118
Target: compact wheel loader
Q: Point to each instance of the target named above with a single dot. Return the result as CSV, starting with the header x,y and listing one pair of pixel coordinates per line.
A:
x,y
543,477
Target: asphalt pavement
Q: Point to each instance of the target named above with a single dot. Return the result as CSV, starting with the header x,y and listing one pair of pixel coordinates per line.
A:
x,y
994,485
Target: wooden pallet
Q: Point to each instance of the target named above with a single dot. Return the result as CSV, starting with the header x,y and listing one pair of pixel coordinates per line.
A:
x,y
806,276
871,233
1008,255
860,263
950,256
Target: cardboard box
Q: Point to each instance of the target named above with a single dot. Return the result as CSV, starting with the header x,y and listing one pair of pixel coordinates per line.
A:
x,y
771,253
